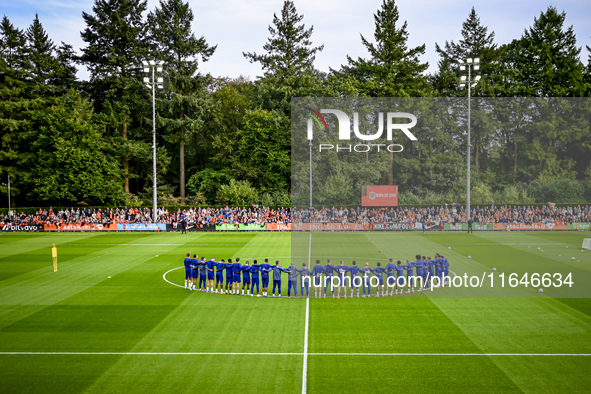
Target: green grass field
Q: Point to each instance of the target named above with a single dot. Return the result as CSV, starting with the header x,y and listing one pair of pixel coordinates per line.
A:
x,y
77,330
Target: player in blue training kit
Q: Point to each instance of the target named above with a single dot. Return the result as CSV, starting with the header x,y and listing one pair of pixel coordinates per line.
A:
x,y
356,279
236,268
188,262
379,273
209,268
445,268
418,264
219,275
328,273
399,277
409,268
229,276
391,276
254,276
366,273
342,270
431,271
277,270
265,269
305,279
292,280
437,265
202,274
246,277
317,272
194,272
425,273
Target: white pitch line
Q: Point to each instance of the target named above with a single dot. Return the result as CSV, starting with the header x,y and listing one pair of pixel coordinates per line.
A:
x,y
145,354
305,366
293,354
457,354
174,284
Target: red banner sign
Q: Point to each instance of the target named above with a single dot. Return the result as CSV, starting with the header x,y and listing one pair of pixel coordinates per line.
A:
x,y
532,226
80,227
379,196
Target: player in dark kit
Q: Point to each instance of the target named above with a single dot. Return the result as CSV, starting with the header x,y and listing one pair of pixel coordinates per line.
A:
x,y
229,276
277,270
265,269
379,273
254,276
202,274
209,266
391,278
305,279
317,272
219,276
194,272
328,273
342,270
246,277
187,269
236,268
356,280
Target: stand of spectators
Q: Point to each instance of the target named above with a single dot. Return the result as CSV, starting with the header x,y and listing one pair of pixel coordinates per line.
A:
x,y
262,215
213,216
446,214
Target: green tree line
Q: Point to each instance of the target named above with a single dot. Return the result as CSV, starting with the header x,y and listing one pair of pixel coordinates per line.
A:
x,y
227,140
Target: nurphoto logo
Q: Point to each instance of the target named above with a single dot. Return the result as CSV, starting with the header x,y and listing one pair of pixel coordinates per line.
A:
x,y
344,126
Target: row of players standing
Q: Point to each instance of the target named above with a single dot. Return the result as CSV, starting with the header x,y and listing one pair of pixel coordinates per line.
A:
x,y
430,274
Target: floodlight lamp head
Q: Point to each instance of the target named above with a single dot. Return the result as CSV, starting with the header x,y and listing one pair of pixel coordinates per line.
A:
x,y
152,63
145,63
469,60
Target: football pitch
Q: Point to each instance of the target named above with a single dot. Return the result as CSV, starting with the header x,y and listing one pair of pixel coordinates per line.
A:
x,y
112,319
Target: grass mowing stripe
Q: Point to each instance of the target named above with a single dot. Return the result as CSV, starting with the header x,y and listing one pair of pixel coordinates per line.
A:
x,y
517,344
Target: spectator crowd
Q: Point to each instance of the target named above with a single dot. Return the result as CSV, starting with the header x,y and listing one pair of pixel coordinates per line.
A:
x,y
263,215
124,215
447,214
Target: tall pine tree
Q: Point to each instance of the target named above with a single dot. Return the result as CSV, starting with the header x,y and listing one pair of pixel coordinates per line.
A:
x,y
392,69
287,61
545,61
174,42
476,42
14,122
115,47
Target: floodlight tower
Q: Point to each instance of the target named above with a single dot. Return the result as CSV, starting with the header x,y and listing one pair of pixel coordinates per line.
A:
x,y
151,67
469,65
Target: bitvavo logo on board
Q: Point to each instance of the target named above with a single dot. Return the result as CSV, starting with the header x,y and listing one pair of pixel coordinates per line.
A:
x,y
344,122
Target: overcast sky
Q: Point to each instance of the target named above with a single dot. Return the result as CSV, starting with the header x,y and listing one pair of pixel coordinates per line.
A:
x,y
238,25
